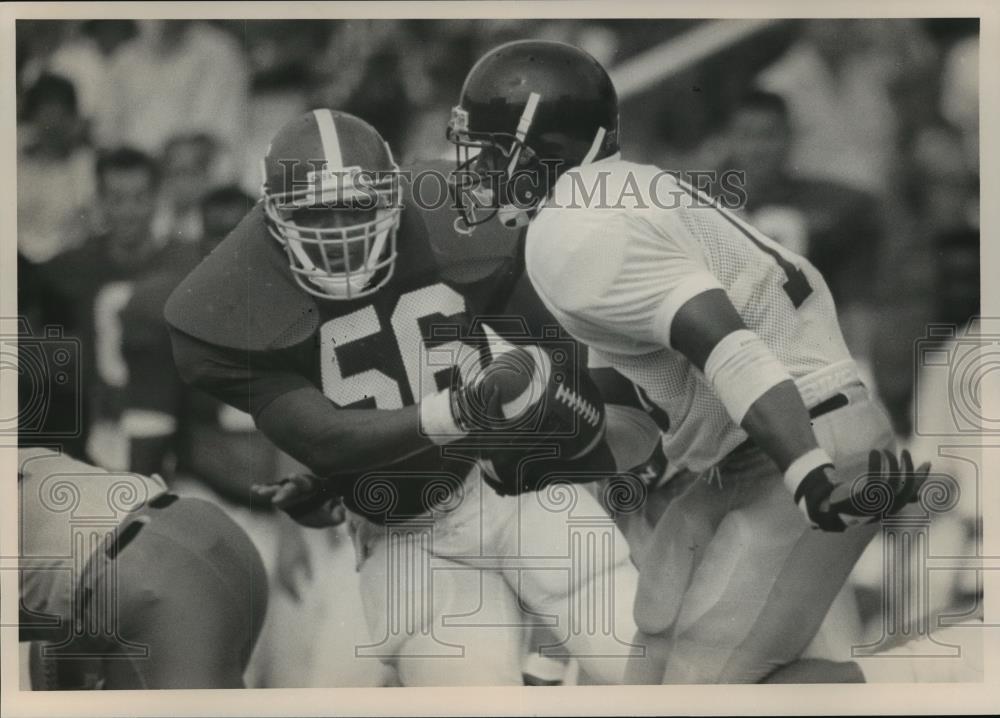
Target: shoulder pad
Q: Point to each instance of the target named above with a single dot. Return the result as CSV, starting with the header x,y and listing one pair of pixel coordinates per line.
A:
x,y
429,209
152,289
243,296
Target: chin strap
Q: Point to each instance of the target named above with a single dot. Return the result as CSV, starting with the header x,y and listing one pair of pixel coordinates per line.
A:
x,y
513,217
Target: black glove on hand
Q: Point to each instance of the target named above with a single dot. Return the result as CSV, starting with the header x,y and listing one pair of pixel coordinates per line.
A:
x,y
307,499
887,488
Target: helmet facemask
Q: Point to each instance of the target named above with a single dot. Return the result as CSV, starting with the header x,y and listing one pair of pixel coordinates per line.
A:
x,y
339,232
496,173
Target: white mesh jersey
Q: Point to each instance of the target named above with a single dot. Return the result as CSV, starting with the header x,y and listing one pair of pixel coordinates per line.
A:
x,y
619,247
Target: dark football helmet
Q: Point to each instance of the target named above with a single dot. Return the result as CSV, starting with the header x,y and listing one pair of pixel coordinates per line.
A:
x,y
529,111
332,199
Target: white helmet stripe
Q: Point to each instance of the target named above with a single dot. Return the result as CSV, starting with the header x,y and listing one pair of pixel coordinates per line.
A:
x,y
523,125
328,136
595,146
528,116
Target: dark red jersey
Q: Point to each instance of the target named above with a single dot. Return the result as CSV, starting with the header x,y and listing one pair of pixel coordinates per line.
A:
x,y
246,333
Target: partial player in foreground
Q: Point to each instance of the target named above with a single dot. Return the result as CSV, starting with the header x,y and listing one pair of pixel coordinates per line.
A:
x,y
732,342
173,597
401,363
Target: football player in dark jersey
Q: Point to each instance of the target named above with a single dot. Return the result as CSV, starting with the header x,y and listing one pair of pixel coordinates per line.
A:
x,y
383,349
171,594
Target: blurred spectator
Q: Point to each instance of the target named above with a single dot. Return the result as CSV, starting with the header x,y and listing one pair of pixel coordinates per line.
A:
x,y
187,167
931,268
439,53
283,53
447,50
37,42
103,289
960,94
835,226
386,72
221,210
673,125
178,76
55,174
283,65
128,183
81,52
838,93
941,187
45,408
904,48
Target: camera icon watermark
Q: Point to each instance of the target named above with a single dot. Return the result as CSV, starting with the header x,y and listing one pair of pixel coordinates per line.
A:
x,y
460,356
48,371
958,371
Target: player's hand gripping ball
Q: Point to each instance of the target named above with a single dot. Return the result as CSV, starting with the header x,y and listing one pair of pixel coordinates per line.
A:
x,y
307,499
543,406
503,394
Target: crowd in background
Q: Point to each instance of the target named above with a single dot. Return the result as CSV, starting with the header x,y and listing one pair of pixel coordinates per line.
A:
x,y
858,138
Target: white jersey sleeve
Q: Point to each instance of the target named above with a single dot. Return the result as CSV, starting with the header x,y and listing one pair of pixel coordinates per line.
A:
x,y
615,278
620,247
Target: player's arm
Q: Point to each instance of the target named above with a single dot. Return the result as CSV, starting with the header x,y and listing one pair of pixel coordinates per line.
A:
x,y
296,416
761,397
755,387
654,289
305,424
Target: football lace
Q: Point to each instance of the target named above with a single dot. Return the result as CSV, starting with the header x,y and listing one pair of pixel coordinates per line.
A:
x,y
577,403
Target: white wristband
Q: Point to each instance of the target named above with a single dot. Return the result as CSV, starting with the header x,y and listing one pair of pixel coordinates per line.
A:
x,y
436,420
803,465
742,369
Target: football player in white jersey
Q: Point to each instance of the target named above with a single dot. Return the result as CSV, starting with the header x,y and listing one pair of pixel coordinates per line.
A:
x,y
730,340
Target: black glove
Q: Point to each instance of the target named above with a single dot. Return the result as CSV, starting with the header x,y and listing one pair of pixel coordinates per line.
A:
x,y
307,499
883,491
